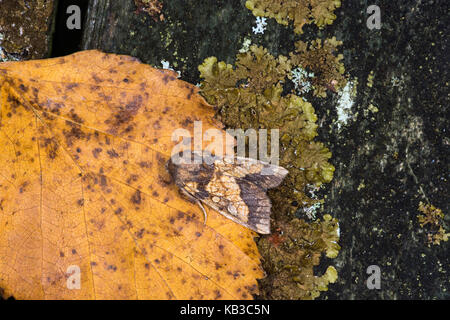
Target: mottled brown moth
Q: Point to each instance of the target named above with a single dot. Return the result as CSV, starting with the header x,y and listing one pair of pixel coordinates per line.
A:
x,y
236,188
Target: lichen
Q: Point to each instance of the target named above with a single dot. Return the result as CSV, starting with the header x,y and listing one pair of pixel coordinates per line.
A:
x,y
251,95
293,251
257,93
319,58
432,218
260,25
300,12
151,7
5,56
301,79
345,103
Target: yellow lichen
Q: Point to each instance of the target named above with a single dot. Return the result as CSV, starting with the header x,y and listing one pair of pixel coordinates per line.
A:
x,y
432,217
319,57
299,249
253,94
250,95
370,79
300,12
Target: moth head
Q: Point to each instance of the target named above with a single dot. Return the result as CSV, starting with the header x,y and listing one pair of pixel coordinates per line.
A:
x,y
184,170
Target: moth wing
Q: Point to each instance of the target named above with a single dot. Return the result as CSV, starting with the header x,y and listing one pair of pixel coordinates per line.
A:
x,y
238,190
242,199
261,173
258,204
248,205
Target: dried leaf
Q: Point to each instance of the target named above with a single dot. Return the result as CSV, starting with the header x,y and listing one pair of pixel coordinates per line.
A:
x,y
85,139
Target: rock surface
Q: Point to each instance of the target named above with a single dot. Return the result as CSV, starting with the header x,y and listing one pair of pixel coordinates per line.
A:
x,y
25,29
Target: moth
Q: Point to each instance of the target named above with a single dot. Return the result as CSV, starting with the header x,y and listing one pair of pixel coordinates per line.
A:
x,y
236,188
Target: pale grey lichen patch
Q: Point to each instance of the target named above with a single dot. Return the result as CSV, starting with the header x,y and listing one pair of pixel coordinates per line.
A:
x,y
345,103
166,65
260,25
4,56
245,45
301,79
397,82
311,211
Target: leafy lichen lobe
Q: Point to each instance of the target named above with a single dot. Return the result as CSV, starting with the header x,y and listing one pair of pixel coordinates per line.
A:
x,y
251,95
300,12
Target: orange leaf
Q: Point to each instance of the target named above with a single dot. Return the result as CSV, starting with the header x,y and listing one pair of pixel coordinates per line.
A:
x,y
84,142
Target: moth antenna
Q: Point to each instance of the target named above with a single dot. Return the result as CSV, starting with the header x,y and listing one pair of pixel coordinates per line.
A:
x,y
203,209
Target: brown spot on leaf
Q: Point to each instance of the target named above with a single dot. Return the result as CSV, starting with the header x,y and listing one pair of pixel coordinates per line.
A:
x,y
96,152
140,233
191,91
125,114
136,198
96,78
112,153
70,86
186,122
23,88
145,164
103,181
217,294
132,178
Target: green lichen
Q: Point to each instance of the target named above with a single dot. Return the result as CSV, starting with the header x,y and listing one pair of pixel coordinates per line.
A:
x,y
292,252
300,12
319,58
253,93
432,219
250,95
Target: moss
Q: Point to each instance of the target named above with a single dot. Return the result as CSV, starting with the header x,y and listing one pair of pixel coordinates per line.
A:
x,y
300,12
432,218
